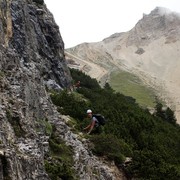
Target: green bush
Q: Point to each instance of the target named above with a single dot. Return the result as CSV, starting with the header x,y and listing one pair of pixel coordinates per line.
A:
x,y
111,147
151,140
69,104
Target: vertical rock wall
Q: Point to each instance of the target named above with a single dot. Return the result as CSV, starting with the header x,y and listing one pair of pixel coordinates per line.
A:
x,y
31,60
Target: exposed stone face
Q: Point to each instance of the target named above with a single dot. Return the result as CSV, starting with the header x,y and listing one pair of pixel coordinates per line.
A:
x,y
160,22
31,57
31,54
36,39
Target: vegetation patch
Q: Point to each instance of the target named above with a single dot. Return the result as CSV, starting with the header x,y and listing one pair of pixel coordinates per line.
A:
x,y
14,120
59,166
73,124
2,74
151,141
108,145
44,126
130,85
70,104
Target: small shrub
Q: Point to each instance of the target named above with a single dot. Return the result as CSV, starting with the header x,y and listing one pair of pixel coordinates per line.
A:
x,y
59,170
43,126
48,127
2,74
14,120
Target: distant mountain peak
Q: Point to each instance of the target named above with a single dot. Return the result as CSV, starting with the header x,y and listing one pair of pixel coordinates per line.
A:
x,y
149,50
161,11
161,22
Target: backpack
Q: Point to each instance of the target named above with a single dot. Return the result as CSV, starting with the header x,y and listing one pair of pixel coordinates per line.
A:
x,y
100,119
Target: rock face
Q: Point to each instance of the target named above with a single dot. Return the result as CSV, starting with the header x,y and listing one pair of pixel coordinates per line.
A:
x,y
32,60
150,50
31,54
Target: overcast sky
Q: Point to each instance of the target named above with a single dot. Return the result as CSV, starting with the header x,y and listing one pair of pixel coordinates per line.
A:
x,y
93,20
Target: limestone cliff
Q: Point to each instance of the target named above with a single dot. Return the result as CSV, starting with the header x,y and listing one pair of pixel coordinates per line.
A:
x,y
32,61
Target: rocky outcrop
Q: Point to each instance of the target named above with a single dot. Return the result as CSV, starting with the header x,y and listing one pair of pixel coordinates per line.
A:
x,y
159,23
32,61
32,54
86,164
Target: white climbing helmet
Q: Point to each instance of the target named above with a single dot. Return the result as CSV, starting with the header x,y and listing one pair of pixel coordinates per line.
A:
x,y
89,111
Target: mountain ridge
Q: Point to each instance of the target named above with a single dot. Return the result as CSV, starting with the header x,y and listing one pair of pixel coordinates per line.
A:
x,y
150,50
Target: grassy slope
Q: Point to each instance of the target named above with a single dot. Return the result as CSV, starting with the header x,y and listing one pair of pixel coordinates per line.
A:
x,y
130,85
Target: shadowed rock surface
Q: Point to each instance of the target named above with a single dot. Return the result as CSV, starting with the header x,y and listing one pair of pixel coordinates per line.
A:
x,y
32,61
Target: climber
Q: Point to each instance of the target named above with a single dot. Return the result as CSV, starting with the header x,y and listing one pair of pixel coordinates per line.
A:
x,y
94,126
77,85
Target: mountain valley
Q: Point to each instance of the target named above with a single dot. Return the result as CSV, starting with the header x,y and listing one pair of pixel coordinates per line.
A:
x,y
150,52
